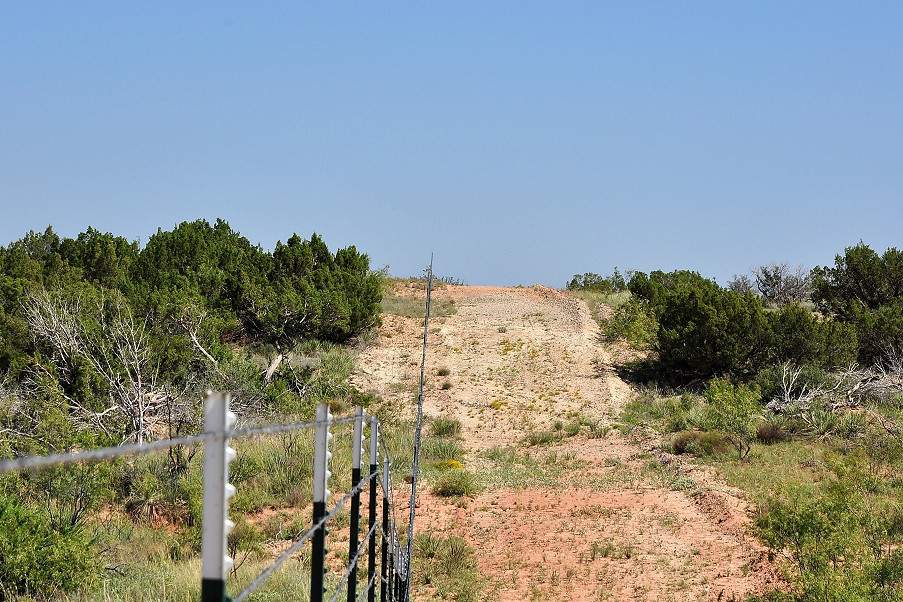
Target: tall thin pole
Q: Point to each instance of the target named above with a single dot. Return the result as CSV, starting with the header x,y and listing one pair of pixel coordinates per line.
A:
x,y
371,556
416,469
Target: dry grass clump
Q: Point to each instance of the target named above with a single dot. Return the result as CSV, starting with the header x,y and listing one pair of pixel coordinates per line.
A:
x,y
699,443
455,483
445,427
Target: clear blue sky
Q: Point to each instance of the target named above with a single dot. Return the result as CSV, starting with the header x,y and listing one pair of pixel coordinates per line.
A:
x,y
521,142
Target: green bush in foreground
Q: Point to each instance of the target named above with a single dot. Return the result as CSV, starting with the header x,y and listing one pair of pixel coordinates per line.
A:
x,y
842,544
36,559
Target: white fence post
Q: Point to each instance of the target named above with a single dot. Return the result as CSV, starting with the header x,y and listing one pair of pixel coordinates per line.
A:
x,y
321,495
215,562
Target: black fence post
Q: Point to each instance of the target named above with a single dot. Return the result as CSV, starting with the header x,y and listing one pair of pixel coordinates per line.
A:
x,y
357,451
371,556
383,588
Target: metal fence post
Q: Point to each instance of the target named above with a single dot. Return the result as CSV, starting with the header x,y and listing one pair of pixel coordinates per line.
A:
x,y
321,494
383,588
216,524
371,556
357,450
393,565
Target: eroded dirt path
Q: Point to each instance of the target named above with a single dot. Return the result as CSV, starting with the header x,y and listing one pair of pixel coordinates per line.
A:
x,y
617,520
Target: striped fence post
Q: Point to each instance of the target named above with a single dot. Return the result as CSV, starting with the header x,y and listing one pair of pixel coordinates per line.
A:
x,y
321,494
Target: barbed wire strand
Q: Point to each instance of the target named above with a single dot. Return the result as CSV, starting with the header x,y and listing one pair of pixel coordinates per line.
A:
x,y
369,586
106,453
276,563
103,453
282,428
352,563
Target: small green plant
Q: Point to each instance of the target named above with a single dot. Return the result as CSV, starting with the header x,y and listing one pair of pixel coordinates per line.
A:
x,y
733,410
455,483
633,322
773,429
699,443
443,371
445,427
439,448
448,564
536,438
446,385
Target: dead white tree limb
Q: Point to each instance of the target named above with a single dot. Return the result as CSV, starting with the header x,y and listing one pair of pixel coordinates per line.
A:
x,y
103,332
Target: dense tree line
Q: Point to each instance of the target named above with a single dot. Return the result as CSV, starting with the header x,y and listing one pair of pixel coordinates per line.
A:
x,y
101,323
829,317
104,341
703,330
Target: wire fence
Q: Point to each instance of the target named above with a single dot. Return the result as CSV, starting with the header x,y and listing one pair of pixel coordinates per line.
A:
x,y
379,545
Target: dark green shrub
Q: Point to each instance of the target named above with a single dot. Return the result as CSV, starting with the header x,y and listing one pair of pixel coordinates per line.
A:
x,y
699,443
865,290
658,286
596,283
705,331
38,560
802,339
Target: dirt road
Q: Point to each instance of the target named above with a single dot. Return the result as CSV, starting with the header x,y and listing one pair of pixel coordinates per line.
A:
x,y
595,516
